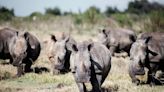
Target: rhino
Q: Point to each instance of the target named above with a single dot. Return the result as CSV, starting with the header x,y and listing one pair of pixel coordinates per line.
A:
x,y
22,48
90,63
59,53
147,52
117,40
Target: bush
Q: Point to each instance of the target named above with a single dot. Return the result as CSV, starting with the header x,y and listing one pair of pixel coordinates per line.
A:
x,y
91,15
6,14
157,20
123,19
110,11
54,11
143,7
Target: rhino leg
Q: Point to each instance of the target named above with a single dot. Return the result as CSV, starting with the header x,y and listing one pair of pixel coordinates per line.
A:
x,y
96,83
28,67
112,50
11,60
151,74
151,79
82,87
133,77
20,70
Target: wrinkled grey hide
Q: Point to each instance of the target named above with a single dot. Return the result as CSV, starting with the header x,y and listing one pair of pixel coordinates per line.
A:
x,y
117,40
147,51
22,48
59,54
90,63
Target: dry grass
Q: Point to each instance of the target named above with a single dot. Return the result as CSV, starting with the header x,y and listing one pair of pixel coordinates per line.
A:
x,y
118,79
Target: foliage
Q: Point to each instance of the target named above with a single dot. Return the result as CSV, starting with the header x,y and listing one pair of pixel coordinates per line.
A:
x,y
6,14
36,14
157,20
143,7
110,10
54,11
122,19
91,15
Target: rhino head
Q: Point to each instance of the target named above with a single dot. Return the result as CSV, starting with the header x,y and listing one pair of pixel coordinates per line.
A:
x,y
80,62
18,48
138,58
59,54
103,36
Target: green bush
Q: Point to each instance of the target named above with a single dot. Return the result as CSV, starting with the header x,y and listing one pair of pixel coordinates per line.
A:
x,y
6,14
123,19
110,11
54,11
92,15
157,20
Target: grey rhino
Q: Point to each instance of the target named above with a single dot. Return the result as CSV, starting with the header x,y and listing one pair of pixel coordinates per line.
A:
x,y
22,48
90,63
117,40
59,53
147,51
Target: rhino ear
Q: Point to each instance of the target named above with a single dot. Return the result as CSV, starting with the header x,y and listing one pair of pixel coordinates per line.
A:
x,y
66,39
104,31
74,48
90,46
26,34
53,38
147,39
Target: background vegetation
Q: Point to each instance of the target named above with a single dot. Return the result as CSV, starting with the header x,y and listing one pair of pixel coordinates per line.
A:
x,y
140,16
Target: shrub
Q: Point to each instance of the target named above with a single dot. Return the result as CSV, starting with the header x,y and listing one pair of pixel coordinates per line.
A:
x,y
122,19
110,11
6,14
157,20
54,11
91,15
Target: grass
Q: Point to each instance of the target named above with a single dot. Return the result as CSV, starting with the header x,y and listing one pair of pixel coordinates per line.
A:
x,y
118,79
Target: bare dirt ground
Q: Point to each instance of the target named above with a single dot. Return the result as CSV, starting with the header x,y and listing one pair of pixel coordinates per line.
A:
x,y
118,79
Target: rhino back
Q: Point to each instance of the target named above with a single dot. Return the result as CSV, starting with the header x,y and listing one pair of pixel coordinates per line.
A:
x,y
5,36
101,58
35,48
122,37
155,45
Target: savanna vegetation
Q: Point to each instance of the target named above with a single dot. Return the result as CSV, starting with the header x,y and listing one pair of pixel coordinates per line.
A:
x,y
140,16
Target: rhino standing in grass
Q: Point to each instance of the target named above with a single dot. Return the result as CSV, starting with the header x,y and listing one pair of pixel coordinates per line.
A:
x,y
147,51
117,40
22,48
60,51
90,63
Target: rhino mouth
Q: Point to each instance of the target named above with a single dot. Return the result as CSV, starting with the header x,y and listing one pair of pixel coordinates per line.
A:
x,y
139,71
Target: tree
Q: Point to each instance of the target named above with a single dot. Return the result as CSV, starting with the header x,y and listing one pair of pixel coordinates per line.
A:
x,y
91,14
143,7
6,14
54,11
110,10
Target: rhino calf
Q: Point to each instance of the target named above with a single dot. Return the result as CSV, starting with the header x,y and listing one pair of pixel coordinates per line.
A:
x,y
90,63
147,51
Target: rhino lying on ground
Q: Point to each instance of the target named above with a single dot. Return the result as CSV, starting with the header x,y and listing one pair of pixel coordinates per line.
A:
x,y
147,51
60,51
117,40
22,48
90,63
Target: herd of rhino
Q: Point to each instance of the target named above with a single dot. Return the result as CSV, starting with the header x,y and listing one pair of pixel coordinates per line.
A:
x,y
89,61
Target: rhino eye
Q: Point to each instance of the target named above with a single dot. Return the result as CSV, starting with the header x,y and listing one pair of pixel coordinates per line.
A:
x,y
131,58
